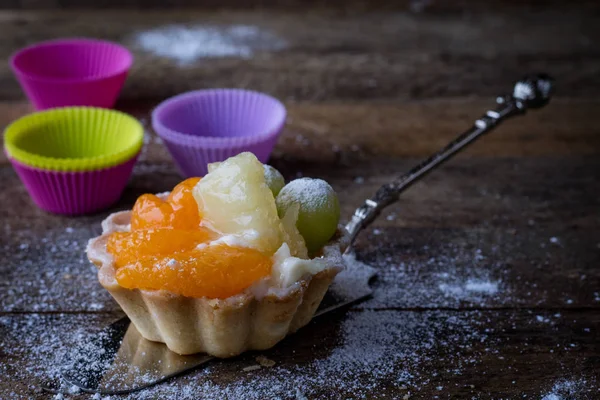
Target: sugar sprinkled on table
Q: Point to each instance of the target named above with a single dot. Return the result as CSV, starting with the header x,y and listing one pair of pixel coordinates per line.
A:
x,y
186,44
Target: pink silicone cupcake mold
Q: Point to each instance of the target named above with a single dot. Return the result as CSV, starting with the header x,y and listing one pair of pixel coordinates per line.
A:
x,y
69,72
206,126
74,192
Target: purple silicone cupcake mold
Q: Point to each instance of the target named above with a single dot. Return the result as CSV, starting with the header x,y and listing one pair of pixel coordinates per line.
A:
x,y
206,126
74,193
72,72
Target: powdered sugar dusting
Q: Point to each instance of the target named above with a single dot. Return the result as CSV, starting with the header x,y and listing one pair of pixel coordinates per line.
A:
x,y
358,353
566,389
454,275
368,338
63,277
312,194
374,348
43,340
481,286
470,289
186,44
400,344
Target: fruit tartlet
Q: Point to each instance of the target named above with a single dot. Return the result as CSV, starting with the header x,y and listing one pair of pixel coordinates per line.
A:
x,y
226,263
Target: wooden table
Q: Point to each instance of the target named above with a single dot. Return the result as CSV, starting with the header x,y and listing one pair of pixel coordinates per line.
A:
x,y
489,279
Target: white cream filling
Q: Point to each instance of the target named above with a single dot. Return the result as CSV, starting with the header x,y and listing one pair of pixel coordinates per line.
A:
x,y
286,270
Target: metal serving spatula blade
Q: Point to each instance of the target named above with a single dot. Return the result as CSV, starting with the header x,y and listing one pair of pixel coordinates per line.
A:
x,y
119,360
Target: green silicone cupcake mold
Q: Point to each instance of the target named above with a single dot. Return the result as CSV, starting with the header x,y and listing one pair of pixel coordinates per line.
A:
x,y
74,139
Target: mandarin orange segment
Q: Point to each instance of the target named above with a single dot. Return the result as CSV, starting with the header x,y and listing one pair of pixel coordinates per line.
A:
x,y
128,247
217,271
150,212
185,209
181,196
179,211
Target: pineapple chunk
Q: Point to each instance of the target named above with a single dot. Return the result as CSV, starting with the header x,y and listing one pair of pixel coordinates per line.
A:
x,y
234,199
213,166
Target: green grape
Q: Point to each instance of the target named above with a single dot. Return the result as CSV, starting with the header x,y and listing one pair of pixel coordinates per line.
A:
x,y
319,210
274,179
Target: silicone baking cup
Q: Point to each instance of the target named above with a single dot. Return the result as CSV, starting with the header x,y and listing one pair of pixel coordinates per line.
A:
x,y
74,160
72,72
206,126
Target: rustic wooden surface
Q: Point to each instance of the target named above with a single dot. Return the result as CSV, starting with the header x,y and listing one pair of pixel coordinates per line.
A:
x,y
368,94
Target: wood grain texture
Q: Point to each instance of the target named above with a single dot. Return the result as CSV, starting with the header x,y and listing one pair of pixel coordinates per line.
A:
x,y
371,87
342,133
333,55
519,356
507,209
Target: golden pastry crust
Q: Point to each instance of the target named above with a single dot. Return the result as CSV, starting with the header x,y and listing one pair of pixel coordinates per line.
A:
x,y
255,319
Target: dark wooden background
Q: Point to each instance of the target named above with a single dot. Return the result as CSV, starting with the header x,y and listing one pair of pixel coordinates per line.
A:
x,y
371,87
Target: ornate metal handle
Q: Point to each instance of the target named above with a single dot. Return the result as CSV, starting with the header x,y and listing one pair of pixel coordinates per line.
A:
x,y
529,93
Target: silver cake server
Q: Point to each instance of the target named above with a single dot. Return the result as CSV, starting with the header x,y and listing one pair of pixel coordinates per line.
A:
x,y
118,360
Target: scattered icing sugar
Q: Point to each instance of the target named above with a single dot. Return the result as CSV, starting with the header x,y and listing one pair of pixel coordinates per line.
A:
x,y
186,44
566,389
471,288
381,329
367,350
365,339
453,276
63,278
407,277
482,286
541,318
43,340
